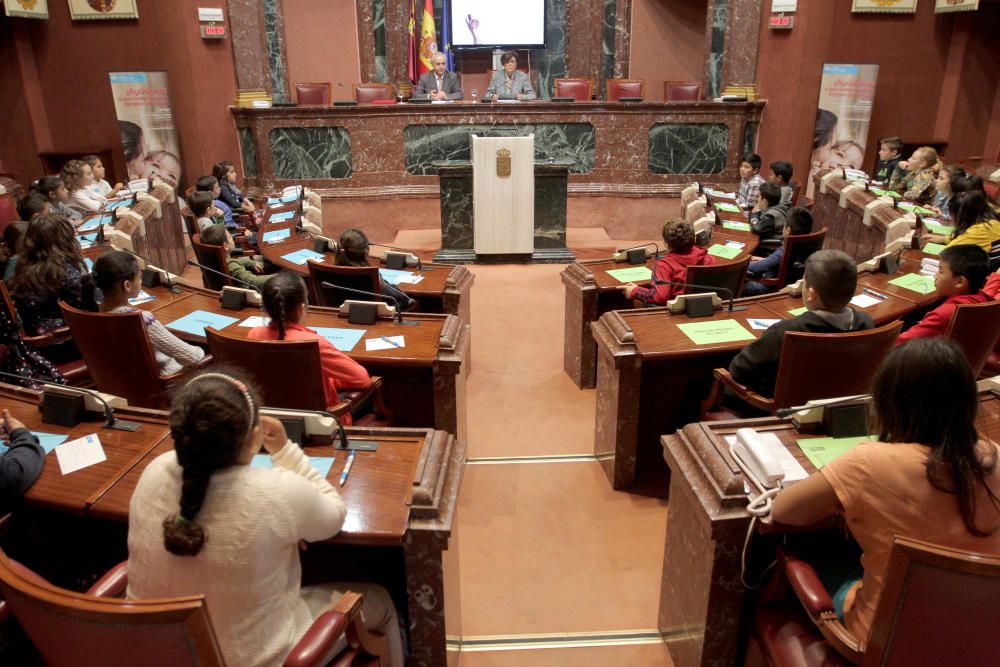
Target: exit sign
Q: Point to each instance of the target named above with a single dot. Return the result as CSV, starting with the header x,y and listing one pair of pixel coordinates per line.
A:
x,y
213,31
781,22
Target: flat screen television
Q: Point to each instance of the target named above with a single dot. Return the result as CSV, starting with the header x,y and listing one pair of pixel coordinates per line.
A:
x,y
482,24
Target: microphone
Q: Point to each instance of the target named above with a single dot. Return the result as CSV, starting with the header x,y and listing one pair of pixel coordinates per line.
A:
x,y
634,258
410,257
821,403
707,288
191,262
110,421
391,299
151,270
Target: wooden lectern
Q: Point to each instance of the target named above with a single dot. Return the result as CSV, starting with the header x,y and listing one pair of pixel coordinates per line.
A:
x,y
503,185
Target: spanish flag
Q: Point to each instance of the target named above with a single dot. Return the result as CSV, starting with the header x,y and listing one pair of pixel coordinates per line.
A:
x,y
428,37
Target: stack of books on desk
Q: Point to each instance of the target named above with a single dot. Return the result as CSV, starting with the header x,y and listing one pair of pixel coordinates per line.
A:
x,y
748,91
246,99
929,266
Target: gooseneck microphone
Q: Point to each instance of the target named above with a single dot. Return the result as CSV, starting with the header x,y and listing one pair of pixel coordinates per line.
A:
x,y
224,275
150,266
707,288
390,299
110,421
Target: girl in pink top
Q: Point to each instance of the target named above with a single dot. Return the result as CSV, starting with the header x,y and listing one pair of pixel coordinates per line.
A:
x,y
936,481
285,302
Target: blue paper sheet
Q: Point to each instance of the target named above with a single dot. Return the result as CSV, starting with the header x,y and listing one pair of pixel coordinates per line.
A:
x,y
48,441
322,464
342,339
86,240
195,322
113,205
89,263
300,257
281,217
276,235
287,199
392,276
94,223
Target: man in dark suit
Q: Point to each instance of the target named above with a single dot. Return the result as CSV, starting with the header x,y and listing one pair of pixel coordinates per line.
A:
x,y
439,84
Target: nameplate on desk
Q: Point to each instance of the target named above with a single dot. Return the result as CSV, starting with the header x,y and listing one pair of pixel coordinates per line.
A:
x,y
281,217
276,235
739,226
914,282
725,251
631,275
79,454
342,339
715,331
300,257
394,277
195,322
728,208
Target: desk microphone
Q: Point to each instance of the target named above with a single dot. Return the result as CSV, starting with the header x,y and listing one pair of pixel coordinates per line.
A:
x,y
632,257
706,288
410,256
224,275
110,421
782,413
393,300
152,270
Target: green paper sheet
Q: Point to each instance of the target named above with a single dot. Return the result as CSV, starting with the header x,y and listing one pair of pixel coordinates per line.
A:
x,y
729,208
715,331
937,228
933,248
820,451
633,274
919,210
798,311
914,282
742,226
879,192
724,251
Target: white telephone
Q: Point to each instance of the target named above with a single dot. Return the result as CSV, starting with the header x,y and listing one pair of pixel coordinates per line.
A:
x,y
761,466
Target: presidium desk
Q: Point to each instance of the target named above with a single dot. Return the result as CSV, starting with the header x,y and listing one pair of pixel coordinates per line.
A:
x,y
614,149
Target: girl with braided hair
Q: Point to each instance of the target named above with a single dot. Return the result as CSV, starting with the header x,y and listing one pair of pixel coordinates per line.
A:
x,y
284,298
203,521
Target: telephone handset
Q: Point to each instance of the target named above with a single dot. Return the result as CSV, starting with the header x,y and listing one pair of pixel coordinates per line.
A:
x,y
761,466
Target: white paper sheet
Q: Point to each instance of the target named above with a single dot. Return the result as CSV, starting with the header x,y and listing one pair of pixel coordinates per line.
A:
x,y
80,453
255,321
865,300
385,343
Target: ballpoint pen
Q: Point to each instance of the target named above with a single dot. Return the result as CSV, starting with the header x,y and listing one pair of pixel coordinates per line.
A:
x,y
874,293
391,342
347,468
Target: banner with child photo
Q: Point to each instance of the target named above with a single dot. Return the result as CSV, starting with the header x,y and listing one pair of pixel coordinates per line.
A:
x,y
843,116
149,136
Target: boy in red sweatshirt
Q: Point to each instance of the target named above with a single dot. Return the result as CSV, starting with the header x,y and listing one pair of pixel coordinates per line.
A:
x,y
678,235
962,272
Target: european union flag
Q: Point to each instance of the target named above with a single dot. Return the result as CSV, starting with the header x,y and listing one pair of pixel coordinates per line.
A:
x,y
446,35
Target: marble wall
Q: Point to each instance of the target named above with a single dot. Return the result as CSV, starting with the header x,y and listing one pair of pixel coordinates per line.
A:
x,y
249,152
378,30
607,45
303,153
427,144
717,14
750,137
688,148
552,60
274,40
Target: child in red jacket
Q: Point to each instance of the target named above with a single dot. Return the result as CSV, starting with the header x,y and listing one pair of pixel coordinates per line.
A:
x,y
962,272
678,235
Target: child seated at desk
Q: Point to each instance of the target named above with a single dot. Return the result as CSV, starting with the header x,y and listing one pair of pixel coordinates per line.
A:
x,y
53,189
202,209
33,205
203,521
976,222
354,252
678,236
889,156
21,464
781,175
799,222
961,275
80,182
769,221
211,185
119,279
750,181
914,179
929,477
100,186
229,193
243,269
285,302
943,191
829,283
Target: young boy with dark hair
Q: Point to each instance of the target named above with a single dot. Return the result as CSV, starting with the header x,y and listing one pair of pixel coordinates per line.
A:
x,y
678,235
200,204
769,221
890,154
750,181
781,175
962,273
211,184
244,269
829,283
799,222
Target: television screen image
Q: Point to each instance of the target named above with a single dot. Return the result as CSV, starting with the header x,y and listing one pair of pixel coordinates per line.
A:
x,y
488,23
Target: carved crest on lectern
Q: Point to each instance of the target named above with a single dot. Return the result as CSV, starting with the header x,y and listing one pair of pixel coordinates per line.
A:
x,y
503,163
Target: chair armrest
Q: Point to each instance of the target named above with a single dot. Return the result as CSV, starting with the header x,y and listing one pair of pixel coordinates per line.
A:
x,y
53,337
112,584
753,398
318,641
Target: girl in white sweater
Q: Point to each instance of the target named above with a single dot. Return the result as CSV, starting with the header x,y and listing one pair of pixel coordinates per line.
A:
x,y
202,521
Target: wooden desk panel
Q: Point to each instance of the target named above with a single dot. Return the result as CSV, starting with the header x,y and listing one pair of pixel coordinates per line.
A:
x,y
591,292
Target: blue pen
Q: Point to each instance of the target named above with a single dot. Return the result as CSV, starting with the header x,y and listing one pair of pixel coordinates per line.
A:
x,y
391,342
875,294
347,468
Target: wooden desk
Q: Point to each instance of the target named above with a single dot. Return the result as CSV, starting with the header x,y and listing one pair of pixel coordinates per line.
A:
x,y
591,292
424,382
846,230
701,597
651,378
444,289
402,497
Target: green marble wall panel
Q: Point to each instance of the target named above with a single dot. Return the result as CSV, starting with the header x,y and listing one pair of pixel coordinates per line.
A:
x,y
303,153
248,149
426,144
750,137
718,15
552,59
378,22
687,148
275,59
607,46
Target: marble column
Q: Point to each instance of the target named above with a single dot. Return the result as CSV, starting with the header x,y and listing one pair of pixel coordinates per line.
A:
x,y
732,34
715,38
367,21
623,38
258,28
